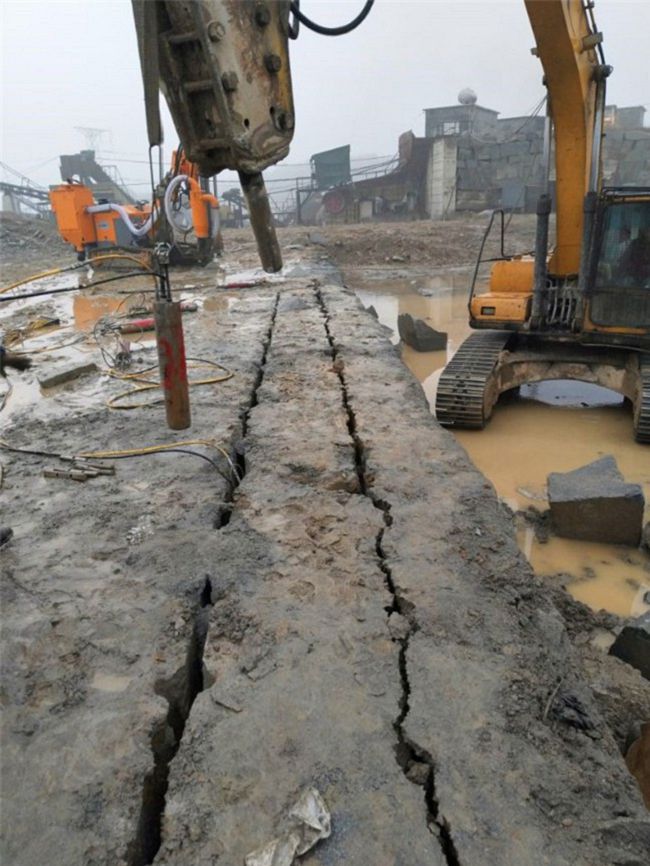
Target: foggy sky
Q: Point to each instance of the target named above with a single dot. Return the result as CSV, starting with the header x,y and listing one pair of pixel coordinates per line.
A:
x,y
68,63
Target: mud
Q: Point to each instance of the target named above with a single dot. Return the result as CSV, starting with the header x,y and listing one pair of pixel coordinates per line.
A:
x,y
547,427
185,649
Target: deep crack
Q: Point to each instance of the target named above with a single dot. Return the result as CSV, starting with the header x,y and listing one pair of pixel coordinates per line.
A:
x,y
181,689
416,764
224,511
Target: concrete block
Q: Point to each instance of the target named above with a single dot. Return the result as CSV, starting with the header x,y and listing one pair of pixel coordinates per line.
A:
x,y
59,374
419,335
633,644
595,503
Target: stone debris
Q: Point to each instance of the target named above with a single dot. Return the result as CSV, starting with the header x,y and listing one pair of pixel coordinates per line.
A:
x,y
420,336
595,503
318,239
633,644
59,374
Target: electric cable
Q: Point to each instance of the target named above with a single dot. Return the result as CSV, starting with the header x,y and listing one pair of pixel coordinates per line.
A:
x,y
64,289
143,384
327,31
145,451
77,266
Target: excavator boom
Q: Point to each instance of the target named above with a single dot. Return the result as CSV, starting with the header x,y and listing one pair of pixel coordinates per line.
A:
x,y
568,47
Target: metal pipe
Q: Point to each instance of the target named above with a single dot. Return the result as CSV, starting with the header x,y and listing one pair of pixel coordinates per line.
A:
x,y
546,148
261,218
541,252
171,360
589,214
601,74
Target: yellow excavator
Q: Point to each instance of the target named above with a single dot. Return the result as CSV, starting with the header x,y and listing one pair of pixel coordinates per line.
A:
x,y
582,312
579,311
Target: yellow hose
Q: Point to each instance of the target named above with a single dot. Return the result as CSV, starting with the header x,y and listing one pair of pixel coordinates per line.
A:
x,y
150,385
147,449
54,271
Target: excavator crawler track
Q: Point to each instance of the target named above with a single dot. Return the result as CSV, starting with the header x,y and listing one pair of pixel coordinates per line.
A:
x,y
642,422
460,399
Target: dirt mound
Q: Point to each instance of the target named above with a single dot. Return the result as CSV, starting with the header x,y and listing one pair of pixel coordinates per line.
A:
x,y
35,239
424,243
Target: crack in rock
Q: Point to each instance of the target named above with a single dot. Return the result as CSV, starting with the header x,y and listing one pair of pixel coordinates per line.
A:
x,y
416,764
238,457
181,690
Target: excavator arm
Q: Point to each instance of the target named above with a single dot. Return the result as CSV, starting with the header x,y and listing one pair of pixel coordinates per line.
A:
x,y
568,47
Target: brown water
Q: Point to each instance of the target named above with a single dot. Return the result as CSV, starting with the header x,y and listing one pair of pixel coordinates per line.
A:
x,y
548,427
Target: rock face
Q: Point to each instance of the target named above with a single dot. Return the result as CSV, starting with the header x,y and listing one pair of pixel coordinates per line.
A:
x,y
633,644
595,503
420,336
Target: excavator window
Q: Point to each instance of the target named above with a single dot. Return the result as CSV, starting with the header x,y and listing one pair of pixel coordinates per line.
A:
x,y
624,260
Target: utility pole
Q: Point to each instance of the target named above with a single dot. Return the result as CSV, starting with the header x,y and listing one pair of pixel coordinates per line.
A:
x,y
93,135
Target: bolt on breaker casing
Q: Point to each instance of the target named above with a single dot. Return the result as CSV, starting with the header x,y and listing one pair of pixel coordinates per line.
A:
x,y
223,66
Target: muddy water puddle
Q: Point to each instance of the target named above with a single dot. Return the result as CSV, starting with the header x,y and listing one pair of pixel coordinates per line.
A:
x,y
547,427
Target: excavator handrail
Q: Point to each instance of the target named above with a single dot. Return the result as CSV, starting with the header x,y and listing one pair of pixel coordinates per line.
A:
x,y
480,260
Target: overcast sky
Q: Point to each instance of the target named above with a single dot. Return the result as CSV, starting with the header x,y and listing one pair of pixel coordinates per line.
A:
x,y
69,63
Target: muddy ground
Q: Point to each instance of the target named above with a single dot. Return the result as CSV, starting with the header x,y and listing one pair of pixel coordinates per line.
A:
x,y
338,603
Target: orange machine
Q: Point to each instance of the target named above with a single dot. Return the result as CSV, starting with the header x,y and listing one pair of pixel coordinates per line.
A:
x,y
182,208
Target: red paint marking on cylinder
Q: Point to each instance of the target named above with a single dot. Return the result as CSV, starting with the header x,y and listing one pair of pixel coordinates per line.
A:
x,y
172,363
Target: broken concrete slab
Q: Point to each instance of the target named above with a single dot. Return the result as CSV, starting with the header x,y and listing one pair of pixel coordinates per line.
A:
x,y
633,644
66,371
595,503
420,336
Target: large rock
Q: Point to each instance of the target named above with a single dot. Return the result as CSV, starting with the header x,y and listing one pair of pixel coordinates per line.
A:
x,y
595,503
64,372
420,336
633,644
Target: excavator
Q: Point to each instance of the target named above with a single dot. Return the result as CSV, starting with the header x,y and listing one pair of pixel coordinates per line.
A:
x,y
580,310
183,213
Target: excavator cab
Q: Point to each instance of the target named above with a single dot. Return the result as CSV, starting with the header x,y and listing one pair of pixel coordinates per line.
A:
x,y
592,325
619,279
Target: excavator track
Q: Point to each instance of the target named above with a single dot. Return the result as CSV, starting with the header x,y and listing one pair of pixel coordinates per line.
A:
x,y
460,399
642,422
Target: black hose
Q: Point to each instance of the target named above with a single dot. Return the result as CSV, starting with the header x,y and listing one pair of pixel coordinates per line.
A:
x,y
294,24
53,454
326,31
174,451
78,288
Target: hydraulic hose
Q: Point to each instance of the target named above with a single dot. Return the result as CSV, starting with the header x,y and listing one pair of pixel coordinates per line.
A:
x,y
136,231
170,213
